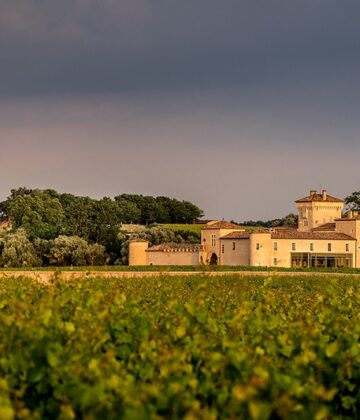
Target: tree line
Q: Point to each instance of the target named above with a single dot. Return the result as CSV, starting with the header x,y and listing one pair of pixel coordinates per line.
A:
x,y
50,228
290,221
125,208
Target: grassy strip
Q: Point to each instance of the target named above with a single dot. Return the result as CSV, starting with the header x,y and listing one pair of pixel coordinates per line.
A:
x,y
187,268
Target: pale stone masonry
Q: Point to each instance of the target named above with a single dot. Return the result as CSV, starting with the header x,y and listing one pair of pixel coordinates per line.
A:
x,y
323,239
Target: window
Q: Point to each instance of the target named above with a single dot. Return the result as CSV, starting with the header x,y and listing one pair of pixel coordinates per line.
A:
x,y
347,247
234,246
306,223
329,247
311,247
257,246
275,246
293,246
213,240
275,261
222,248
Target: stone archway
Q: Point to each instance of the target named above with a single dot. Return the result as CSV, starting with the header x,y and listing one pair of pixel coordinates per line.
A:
x,y
213,259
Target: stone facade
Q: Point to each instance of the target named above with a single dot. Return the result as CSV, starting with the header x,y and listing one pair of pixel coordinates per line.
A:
x,y
323,239
318,209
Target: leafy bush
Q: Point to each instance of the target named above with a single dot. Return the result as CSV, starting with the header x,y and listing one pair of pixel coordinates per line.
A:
x,y
194,347
72,250
16,250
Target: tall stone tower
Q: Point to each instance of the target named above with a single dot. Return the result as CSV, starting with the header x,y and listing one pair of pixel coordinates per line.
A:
x,y
318,209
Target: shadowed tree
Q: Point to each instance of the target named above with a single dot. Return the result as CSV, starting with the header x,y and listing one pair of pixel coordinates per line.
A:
x,y
39,213
353,201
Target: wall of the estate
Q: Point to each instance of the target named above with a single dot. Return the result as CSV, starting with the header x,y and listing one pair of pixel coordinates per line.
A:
x,y
172,258
238,256
351,227
260,249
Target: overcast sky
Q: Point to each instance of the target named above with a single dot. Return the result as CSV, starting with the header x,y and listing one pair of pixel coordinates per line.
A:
x,y
239,106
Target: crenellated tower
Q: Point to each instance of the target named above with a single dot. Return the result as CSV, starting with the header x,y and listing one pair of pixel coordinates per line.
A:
x,y
318,209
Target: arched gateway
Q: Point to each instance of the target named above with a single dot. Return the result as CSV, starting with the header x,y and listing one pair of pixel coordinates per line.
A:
x,y
213,259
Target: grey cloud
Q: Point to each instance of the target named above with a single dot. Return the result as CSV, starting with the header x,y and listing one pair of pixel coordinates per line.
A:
x,y
106,45
245,98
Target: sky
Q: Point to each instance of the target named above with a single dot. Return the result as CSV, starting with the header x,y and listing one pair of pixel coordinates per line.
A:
x,y
241,106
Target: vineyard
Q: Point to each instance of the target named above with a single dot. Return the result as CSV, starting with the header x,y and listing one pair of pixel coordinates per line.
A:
x,y
194,347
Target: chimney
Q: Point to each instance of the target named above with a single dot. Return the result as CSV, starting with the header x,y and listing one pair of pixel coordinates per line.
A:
x,y
313,192
324,195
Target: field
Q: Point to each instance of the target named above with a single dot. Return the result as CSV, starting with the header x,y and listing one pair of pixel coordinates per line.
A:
x,y
180,227
180,347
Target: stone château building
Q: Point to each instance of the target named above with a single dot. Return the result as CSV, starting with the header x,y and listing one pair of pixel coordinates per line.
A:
x,y
323,239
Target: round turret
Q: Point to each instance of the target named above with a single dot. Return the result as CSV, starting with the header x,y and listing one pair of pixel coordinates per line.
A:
x,y
137,252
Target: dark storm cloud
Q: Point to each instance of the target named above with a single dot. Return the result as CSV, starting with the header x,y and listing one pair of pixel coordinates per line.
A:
x,y
87,46
192,99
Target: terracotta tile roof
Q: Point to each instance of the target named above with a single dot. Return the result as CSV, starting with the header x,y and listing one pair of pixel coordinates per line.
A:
x,y
236,235
222,225
330,236
174,247
325,227
319,198
344,219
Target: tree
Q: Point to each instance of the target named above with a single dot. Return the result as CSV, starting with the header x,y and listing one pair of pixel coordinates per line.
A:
x,y
4,205
96,255
79,213
162,209
39,213
105,222
353,201
291,220
75,251
128,211
16,250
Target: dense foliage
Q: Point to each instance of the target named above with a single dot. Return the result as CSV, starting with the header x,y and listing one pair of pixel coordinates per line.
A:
x,y
46,217
46,213
353,201
192,347
291,221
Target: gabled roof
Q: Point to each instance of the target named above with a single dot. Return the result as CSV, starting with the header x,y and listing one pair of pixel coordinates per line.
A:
x,y
344,219
175,247
222,225
236,235
325,227
319,198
